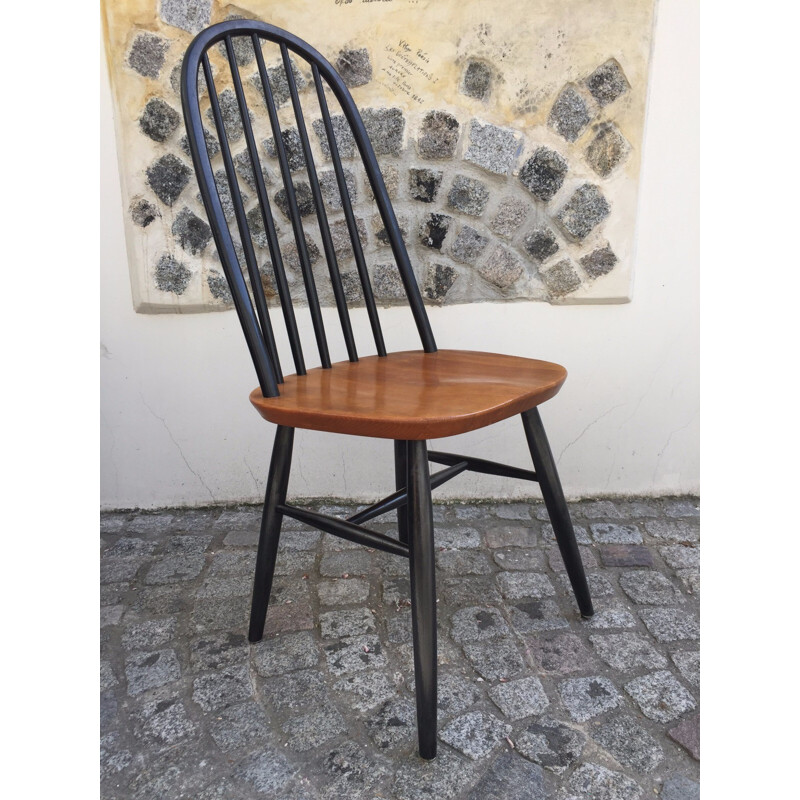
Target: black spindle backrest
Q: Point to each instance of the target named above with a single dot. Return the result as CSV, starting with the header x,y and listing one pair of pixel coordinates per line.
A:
x,y
251,305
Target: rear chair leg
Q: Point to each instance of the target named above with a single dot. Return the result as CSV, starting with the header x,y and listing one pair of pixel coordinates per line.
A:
x,y
400,477
277,483
557,508
423,594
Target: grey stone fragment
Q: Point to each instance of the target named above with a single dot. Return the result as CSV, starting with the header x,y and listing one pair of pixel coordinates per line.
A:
x,y
503,268
680,788
370,689
677,530
387,284
190,15
612,533
599,262
510,776
494,659
561,279
329,188
607,150
303,197
649,587
516,585
510,215
393,723
354,654
292,146
446,777
354,66
687,734
191,232
438,135
385,128
520,559
599,783
540,244
561,653
583,212
569,114
146,55
306,731
231,118
438,281
660,696
149,634
629,743
457,538
143,212
468,245
688,662
147,670
478,624
335,624
285,653
585,698
670,624
520,698
345,141
607,82
163,722
423,184
343,592
159,120
222,688
463,562
218,286
543,173
167,177
433,230
531,615
625,555
240,726
171,275
627,651
493,148
475,734
551,743
477,81
468,195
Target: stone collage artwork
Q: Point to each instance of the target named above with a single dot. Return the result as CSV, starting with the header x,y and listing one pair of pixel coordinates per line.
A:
x,y
509,136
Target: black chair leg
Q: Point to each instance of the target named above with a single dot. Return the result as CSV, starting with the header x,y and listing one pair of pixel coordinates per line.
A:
x,y
400,476
277,484
423,594
556,505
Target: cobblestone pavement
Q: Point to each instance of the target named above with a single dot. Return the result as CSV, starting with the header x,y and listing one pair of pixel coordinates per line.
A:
x,y
533,701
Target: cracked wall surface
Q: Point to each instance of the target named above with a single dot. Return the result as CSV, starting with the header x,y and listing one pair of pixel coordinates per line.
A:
x,y
509,139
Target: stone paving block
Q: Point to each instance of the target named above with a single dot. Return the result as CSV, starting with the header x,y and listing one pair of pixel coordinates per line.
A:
x,y
174,569
599,783
543,173
160,601
267,771
513,511
393,724
304,198
649,587
682,508
329,188
438,135
455,693
298,690
463,562
599,262
107,677
114,758
285,653
625,555
336,624
688,663
222,688
468,195
354,771
468,245
679,556
607,82
146,55
660,696
551,743
569,115
503,268
433,230
687,735
168,176
561,653
585,698
461,592
354,653
540,244
523,559
293,147
629,743
423,184
370,689
345,141
473,512
518,585
235,562
613,616
445,777
230,585
612,533
147,670
190,15
531,615
477,80
163,722
680,788
294,562
557,562
627,651
607,150
478,624
345,563
149,634
599,586
670,624
343,592
494,659
438,281
457,538
583,212
510,776
385,128
511,214
214,613
597,509
111,615
673,530
561,278
690,578
354,66
475,734
231,118
520,698
581,534
396,591
491,147
306,731
241,726
150,523
238,521
159,120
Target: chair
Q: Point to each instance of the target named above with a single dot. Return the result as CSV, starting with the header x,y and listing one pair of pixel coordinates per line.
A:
x,y
407,397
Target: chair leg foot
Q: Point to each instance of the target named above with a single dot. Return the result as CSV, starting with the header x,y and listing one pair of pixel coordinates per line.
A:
x,y
400,477
553,494
423,594
277,484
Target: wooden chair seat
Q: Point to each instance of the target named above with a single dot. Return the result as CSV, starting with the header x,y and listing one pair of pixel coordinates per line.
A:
x,y
412,395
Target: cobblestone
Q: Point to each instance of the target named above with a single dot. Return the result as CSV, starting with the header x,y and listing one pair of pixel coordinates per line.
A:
x,y
587,697
660,696
629,743
552,744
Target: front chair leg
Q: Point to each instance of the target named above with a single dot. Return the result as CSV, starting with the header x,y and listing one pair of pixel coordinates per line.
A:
x,y
277,483
556,505
400,476
423,594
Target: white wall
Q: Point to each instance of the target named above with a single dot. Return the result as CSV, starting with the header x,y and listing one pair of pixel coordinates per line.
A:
x,y
177,428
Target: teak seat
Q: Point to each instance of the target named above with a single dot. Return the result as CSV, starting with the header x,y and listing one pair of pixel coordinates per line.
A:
x,y
408,397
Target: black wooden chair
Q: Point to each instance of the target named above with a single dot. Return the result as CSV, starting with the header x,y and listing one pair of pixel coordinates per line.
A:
x,y
408,396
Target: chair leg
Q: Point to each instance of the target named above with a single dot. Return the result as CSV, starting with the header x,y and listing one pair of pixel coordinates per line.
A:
x,y
423,594
277,483
400,477
556,505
